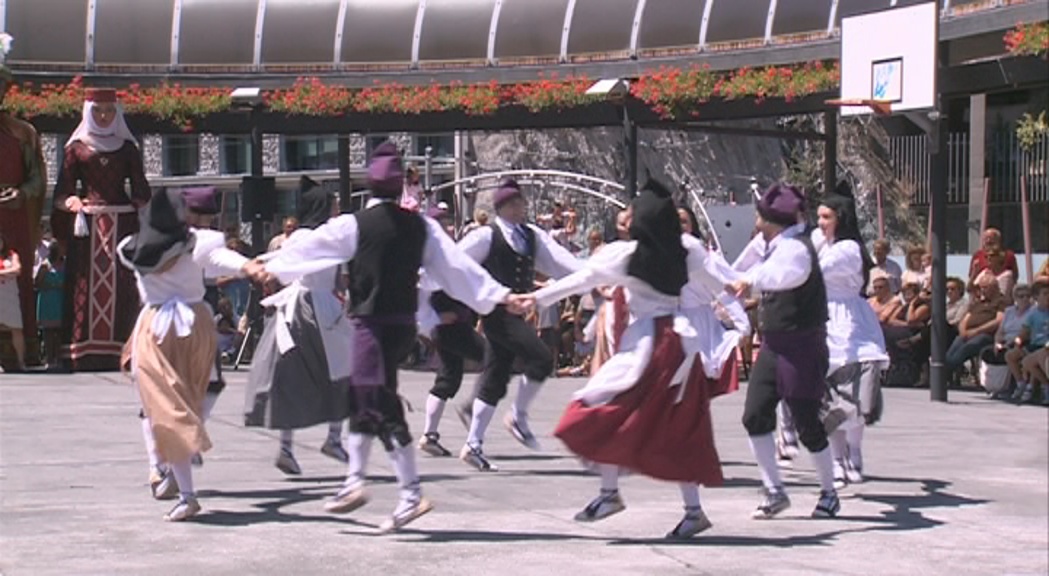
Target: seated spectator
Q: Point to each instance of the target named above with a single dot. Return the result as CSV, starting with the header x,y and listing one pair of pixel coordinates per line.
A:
x,y
882,300
1027,359
1000,262
1015,315
907,338
226,325
957,306
976,330
10,305
1043,272
915,272
882,264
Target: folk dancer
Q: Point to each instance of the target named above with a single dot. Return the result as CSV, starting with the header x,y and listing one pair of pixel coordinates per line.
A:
x,y
172,348
511,251
100,300
794,359
200,211
854,338
452,327
715,314
387,245
23,180
787,447
302,366
647,409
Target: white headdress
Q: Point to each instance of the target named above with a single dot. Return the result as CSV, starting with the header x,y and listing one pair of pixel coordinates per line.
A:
x,y
109,139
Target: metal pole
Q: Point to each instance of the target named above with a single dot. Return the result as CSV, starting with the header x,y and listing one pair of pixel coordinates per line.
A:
x,y
345,185
938,239
986,199
630,145
881,212
427,178
1025,208
258,241
830,151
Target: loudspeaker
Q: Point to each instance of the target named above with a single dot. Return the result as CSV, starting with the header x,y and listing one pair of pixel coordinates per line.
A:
x,y
258,196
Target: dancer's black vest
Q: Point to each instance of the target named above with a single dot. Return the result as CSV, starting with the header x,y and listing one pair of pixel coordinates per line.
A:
x,y
513,270
802,308
384,274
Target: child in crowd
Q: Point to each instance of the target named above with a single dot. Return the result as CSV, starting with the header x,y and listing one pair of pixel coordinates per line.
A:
x,y
10,306
50,277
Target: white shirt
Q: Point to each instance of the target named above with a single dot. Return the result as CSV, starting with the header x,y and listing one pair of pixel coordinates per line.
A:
x,y
786,266
184,280
336,241
551,258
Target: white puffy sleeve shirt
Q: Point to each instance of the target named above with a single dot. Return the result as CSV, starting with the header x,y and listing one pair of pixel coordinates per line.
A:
x,y
444,263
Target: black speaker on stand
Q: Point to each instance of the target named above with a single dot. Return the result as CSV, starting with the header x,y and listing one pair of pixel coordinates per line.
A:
x,y
258,199
258,204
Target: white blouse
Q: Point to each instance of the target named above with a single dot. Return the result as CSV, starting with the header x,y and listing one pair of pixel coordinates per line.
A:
x,y
853,331
624,369
182,284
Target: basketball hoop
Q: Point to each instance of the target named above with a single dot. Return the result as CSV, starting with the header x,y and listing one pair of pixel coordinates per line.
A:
x,y
880,107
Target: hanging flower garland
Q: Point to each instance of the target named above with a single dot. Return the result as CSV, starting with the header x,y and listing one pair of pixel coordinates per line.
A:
x,y
1028,39
674,93
670,92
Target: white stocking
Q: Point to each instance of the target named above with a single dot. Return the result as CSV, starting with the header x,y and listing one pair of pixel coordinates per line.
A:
x,y
482,416
764,449
359,447
434,411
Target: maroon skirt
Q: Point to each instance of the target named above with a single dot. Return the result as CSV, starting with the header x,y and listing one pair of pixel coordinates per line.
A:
x,y
644,430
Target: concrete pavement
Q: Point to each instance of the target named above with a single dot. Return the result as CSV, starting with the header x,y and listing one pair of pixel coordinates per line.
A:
x,y
953,489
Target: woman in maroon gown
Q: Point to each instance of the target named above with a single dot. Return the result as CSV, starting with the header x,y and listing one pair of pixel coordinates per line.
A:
x,y
93,212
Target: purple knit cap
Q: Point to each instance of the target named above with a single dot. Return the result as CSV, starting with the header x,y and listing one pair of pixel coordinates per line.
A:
x,y
781,204
201,200
386,172
507,189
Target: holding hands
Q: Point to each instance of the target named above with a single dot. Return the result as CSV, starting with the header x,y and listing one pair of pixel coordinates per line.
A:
x,y
739,288
255,270
520,304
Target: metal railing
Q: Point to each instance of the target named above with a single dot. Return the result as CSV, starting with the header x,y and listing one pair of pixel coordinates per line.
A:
x,y
1006,162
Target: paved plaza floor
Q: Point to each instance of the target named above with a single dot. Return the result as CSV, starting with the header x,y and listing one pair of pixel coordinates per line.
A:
x,y
958,488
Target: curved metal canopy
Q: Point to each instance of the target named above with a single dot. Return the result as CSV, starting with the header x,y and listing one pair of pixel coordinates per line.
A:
x,y
316,36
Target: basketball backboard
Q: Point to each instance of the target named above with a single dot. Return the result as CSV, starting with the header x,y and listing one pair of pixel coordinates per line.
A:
x,y
890,57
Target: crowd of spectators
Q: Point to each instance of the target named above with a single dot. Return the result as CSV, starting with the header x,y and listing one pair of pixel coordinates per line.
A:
x,y
990,318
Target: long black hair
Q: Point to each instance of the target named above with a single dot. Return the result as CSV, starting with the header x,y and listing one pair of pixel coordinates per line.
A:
x,y
696,230
843,204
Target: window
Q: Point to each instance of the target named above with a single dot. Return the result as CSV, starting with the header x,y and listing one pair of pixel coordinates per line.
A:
x,y
235,155
181,155
300,153
443,145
